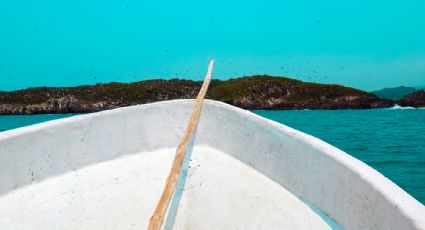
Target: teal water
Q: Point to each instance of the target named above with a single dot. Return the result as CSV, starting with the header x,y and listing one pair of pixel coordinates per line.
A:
x,y
391,141
16,121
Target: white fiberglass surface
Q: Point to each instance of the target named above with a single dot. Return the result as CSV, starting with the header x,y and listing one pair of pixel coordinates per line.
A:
x,y
216,191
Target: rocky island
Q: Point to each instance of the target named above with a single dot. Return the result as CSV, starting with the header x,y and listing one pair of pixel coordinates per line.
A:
x,y
416,99
254,92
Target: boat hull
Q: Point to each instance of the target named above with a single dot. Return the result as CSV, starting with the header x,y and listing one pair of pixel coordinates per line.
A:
x,y
314,172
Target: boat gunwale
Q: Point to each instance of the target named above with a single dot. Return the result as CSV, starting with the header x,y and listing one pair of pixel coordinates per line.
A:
x,y
411,208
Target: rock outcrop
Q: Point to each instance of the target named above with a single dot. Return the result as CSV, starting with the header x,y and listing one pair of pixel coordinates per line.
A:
x,y
255,92
416,99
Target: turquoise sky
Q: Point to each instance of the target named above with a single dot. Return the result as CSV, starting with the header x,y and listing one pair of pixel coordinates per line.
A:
x,y
363,44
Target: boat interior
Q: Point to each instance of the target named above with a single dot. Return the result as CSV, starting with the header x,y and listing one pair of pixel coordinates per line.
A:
x,y
107,170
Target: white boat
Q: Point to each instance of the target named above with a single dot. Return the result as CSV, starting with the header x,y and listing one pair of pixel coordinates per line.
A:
x,y
107,170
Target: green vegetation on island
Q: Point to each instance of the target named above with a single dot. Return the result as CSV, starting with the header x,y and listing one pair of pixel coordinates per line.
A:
x,y
395,93
254,92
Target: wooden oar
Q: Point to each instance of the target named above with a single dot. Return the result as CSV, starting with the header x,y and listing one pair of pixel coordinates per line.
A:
x,y
158,217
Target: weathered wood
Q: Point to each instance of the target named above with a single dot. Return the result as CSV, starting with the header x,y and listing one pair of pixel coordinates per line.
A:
x,y
157,218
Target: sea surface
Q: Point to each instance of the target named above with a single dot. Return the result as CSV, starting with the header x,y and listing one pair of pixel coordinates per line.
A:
x,y
390,140
15,121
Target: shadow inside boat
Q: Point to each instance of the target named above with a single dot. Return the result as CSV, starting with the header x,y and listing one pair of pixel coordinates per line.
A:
x,y
175,202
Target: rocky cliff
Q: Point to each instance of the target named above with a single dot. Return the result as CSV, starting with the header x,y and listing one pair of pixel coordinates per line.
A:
x,y
255,92
416,99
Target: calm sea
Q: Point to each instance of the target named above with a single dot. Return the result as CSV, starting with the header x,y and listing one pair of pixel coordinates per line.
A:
x,y
390,140
14,121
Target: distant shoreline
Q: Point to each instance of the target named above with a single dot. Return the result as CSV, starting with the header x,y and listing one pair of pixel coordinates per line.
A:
x,y
259,92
